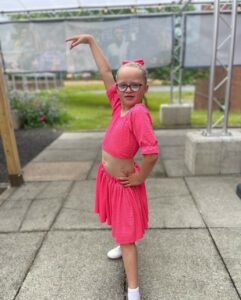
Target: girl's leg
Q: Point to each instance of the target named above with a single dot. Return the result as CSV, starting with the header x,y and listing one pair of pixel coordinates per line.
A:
x,y
130,259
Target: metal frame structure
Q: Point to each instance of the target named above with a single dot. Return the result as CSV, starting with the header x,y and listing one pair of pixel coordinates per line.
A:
x,y
177,65
176,73
227,79
17,6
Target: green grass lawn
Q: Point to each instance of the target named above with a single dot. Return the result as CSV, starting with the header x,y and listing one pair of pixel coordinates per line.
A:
x,y
89,110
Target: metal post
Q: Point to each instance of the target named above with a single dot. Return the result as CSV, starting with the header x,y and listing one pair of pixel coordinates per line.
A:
x,y
172,66
171,87
230,65
212,68
181,58
176,74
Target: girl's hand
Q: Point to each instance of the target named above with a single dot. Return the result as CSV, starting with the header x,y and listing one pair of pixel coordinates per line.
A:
x,y
131,180
79,39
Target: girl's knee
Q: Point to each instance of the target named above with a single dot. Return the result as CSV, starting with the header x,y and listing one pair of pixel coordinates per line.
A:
x,y
127,245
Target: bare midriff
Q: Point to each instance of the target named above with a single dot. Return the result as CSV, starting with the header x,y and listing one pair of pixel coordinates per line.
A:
x,y
117,167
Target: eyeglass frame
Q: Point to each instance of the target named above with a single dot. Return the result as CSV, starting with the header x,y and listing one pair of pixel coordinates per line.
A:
x,y
129,86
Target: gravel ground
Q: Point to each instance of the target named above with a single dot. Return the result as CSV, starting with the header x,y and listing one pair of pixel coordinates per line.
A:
x,y
30,143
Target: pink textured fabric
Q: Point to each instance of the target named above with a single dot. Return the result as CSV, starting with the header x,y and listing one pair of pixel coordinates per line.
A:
x,y
124,208
125,135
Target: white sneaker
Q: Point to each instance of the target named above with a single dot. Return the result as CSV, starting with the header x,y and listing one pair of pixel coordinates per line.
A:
x,y
115,253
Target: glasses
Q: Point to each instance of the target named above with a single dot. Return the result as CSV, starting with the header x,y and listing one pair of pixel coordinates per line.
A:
x,y
134,87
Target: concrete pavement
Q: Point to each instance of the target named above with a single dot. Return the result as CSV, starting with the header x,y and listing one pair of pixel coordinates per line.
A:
x,y
52,245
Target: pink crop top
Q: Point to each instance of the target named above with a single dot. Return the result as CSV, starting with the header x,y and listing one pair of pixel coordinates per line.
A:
x,y
125,135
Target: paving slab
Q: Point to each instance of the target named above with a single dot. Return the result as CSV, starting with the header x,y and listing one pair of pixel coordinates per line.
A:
x,y
176,168
228,241
12,214
58,189
81,135
174,212
217,200
78,209
157,187
56,171
93,172
6,194
17,251
77,143
29,190
182,264
172,152
69,155
74,265
41,214
158,169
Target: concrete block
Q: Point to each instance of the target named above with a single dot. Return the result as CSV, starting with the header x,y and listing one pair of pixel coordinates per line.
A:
x,y
175,114
211,155
231,154
202,154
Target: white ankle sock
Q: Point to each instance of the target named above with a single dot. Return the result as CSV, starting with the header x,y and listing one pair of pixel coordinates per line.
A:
x,y
134,294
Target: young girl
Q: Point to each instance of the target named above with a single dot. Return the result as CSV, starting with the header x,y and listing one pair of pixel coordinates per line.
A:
x,y
120,189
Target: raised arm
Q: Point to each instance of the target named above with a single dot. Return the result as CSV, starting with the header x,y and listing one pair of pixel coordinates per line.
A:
x,y
101,62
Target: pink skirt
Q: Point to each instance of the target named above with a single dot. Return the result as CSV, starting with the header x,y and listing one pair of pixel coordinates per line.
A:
x,y
124,208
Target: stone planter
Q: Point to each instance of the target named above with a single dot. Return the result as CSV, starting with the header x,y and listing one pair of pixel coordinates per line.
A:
x,y
16,119
175,114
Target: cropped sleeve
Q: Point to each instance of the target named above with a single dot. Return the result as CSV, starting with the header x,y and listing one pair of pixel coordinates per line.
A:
x,y
113,97
141,125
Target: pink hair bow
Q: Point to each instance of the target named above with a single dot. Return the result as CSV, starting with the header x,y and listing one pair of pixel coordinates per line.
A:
x,y
138,61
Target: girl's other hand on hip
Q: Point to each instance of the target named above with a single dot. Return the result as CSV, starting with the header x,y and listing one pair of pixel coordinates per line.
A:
x,y
131,180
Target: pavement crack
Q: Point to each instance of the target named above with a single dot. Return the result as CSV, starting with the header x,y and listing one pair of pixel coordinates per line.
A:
x,y
213,240
42,242
62,205
93,164
31,264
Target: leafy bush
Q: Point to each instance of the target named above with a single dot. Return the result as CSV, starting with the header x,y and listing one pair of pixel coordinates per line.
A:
x,y
37,110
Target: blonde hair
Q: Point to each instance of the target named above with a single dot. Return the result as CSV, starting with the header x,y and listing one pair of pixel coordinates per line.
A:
x,y
137,66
